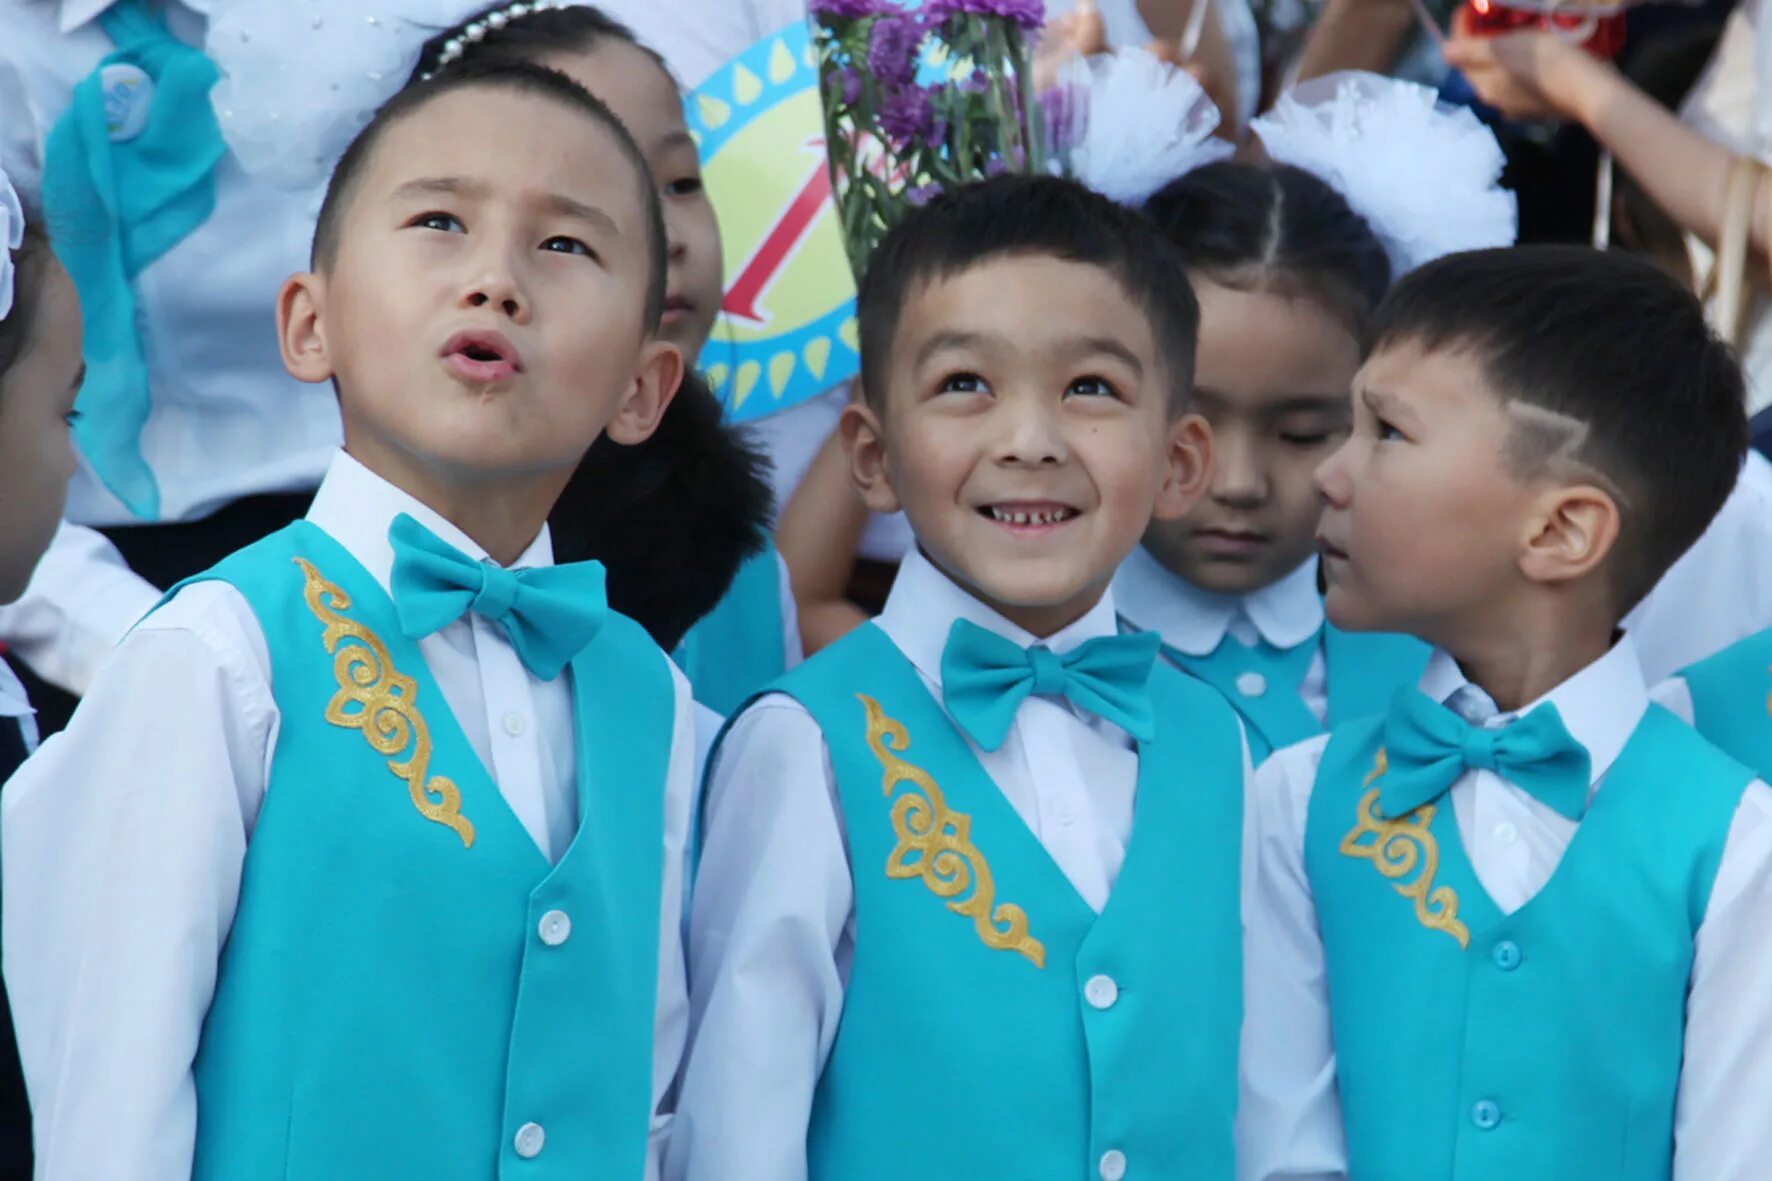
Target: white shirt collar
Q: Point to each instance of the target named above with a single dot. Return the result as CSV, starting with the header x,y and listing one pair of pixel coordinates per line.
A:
x,y
925,602
1285,613
356,506
1600,705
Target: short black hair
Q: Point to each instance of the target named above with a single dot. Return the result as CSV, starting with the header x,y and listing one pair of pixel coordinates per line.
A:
x,y
671,518
30,263
525,78
1028,215
1608,340
574,28
1259,226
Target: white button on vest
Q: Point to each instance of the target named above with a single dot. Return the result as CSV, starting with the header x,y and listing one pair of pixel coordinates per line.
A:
x,y
1101,992
555,927
1251,684
1113,1165
530,1138
515,725
1506,834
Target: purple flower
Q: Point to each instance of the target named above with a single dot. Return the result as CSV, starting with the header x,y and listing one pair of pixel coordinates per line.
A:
x,y
1029,14
977,82
892,49
847,9
922,194
995,166
905,114
850,81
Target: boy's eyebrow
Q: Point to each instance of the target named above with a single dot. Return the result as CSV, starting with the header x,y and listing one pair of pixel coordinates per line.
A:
x,y
1385,405
676,139
1302,403
947,340
473,190
1108,346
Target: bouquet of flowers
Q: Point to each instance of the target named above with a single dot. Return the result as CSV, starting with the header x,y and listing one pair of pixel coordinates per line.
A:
x,y
921,97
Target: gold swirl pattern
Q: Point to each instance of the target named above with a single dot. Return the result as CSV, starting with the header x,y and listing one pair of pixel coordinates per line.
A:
x,y
379,700
1397,848
935,844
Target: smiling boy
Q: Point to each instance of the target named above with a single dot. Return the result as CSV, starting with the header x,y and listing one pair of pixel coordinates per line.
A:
x,y
929,937
1518,927
363,856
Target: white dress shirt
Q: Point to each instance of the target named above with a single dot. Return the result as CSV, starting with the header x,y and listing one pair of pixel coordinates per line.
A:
x,y
15,704
773,923
1283,614
1290,1114
122,843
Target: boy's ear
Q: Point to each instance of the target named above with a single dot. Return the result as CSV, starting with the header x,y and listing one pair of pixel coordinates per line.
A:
x,y
657,375
1572,531
1187,462
864,439
301,334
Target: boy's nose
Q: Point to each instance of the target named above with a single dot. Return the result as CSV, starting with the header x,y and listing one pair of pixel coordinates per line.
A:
x,y
1032,435
1333,483
499,293
1239,478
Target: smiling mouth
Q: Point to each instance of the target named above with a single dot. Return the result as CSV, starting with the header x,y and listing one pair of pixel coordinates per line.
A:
x,y
1329,549
1029,516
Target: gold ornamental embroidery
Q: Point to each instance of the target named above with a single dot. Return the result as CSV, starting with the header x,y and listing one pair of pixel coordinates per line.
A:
x,y
935,844
379,700
1397,849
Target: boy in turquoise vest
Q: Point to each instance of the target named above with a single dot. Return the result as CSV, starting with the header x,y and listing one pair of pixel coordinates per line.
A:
x,y
1519,926
929,937
363,857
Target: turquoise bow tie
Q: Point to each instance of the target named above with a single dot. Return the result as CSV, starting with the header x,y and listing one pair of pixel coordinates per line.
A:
x,y
1427,747
551,614
985,678
118,194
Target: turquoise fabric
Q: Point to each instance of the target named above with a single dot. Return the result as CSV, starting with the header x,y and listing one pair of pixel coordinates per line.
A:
x,y
1732,700
985,678
550,613
395,998
1429,747
740,645
959,1059
113,207
1363,670
1542,1044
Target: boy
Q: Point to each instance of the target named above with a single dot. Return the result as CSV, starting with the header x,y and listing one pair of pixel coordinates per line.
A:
x,y
1442,981
952,977
334,873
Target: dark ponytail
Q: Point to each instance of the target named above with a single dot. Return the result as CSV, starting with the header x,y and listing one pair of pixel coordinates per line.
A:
x,y
1274,227
672,518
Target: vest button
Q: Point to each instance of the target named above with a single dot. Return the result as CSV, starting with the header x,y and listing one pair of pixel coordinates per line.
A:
x,y
1251,684
1113,1165
530,1138
1506,955
1485,1115
1101,992
554,928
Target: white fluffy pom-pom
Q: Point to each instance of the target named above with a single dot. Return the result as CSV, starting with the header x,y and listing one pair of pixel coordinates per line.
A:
x,y
1142,124
1425,175
12,236
300,78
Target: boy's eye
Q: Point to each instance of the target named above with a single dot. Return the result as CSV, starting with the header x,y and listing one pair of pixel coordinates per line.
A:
x,y
1386,432
683,186
72,417
964,383
561,244
1091,387
447,222
1304,438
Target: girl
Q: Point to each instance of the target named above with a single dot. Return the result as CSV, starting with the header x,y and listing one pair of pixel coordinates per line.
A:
x,y
40,374
1287,271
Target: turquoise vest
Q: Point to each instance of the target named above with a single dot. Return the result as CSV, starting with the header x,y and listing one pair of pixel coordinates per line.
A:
x,y
737,648
1365,669
1473,1046
409,983
994,1026
1732,700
